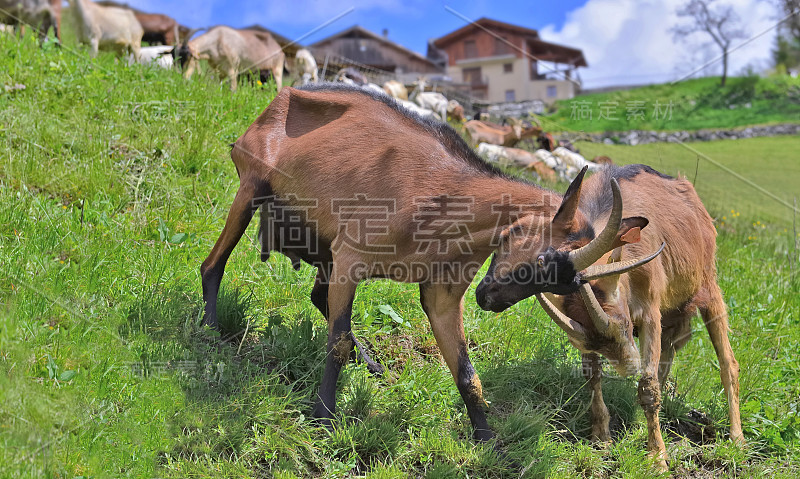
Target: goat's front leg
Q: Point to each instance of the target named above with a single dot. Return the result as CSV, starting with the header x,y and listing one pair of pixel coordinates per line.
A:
x,y
593,372
715,317
649,388
232,75
248,197
94,46
444,306
340,343
191,64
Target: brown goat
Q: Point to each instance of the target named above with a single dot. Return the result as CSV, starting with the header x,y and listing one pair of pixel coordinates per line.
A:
x,y
158,28
657,299
357,186
503,135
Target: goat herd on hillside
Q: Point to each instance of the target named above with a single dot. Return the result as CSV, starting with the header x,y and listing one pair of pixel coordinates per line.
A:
x,y
628,252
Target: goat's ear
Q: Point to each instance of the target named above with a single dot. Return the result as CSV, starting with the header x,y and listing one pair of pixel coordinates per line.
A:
x,y
611,283
630,231
309,111
569,205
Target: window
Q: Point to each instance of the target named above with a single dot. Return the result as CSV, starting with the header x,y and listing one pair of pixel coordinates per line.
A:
x,y
472,75
508,67
501,47
552,91
470,49
510,95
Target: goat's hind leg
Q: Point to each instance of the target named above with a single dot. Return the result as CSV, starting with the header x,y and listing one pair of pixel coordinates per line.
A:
x,y
676,332
715,317
340,307
319,296
250,195
593,371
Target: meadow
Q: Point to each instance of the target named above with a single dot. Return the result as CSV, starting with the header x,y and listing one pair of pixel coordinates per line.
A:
x,y
115,182
687,105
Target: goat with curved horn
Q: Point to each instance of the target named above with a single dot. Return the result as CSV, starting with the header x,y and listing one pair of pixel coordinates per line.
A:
x,y
587,255
615,296
573,328
597,271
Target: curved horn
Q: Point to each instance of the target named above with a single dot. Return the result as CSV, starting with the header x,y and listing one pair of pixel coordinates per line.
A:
x,y
585,256
570,326
192,32
601,270
599,317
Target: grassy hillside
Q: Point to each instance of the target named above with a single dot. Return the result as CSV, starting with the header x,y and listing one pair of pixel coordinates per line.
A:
x,y
773,164
114,184
688,105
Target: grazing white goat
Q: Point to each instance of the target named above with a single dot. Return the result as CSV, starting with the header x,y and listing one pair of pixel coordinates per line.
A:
x,y
433,101
566,163
160,55
109,28
40,14
305,66
423,112
231,52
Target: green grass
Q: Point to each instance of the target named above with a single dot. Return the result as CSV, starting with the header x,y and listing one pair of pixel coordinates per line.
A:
x,y
770,163
688,105
114,184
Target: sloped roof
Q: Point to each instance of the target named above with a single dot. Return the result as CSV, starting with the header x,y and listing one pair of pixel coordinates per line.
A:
x,y
380,38
542,50
553,52
486,23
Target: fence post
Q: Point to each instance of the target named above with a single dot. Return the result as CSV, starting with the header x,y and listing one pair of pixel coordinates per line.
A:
x,y
325,67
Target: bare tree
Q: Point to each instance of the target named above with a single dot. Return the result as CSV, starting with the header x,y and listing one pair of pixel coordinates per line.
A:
x,y
791,9
720,22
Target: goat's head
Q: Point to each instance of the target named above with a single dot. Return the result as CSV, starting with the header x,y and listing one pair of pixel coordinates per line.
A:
x,y
538,255
597,319
183,52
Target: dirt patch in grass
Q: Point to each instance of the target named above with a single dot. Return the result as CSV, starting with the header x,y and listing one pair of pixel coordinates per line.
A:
x,y
697,427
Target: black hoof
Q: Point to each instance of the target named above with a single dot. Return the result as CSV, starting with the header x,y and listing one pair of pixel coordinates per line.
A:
x,y
482,435
375,369
322,421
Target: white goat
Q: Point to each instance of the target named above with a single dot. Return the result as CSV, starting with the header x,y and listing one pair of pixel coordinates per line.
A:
x,y
231,52
433,101
566,163
160,55
109,28
423,112
304,64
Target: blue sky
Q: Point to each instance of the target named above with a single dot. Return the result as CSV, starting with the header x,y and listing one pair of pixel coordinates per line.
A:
x,y
410,23
624,41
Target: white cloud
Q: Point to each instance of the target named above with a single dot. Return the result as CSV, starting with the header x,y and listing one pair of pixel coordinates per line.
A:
x,y
629,41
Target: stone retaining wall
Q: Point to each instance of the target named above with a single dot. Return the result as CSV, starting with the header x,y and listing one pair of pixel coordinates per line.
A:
x,y
641,137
